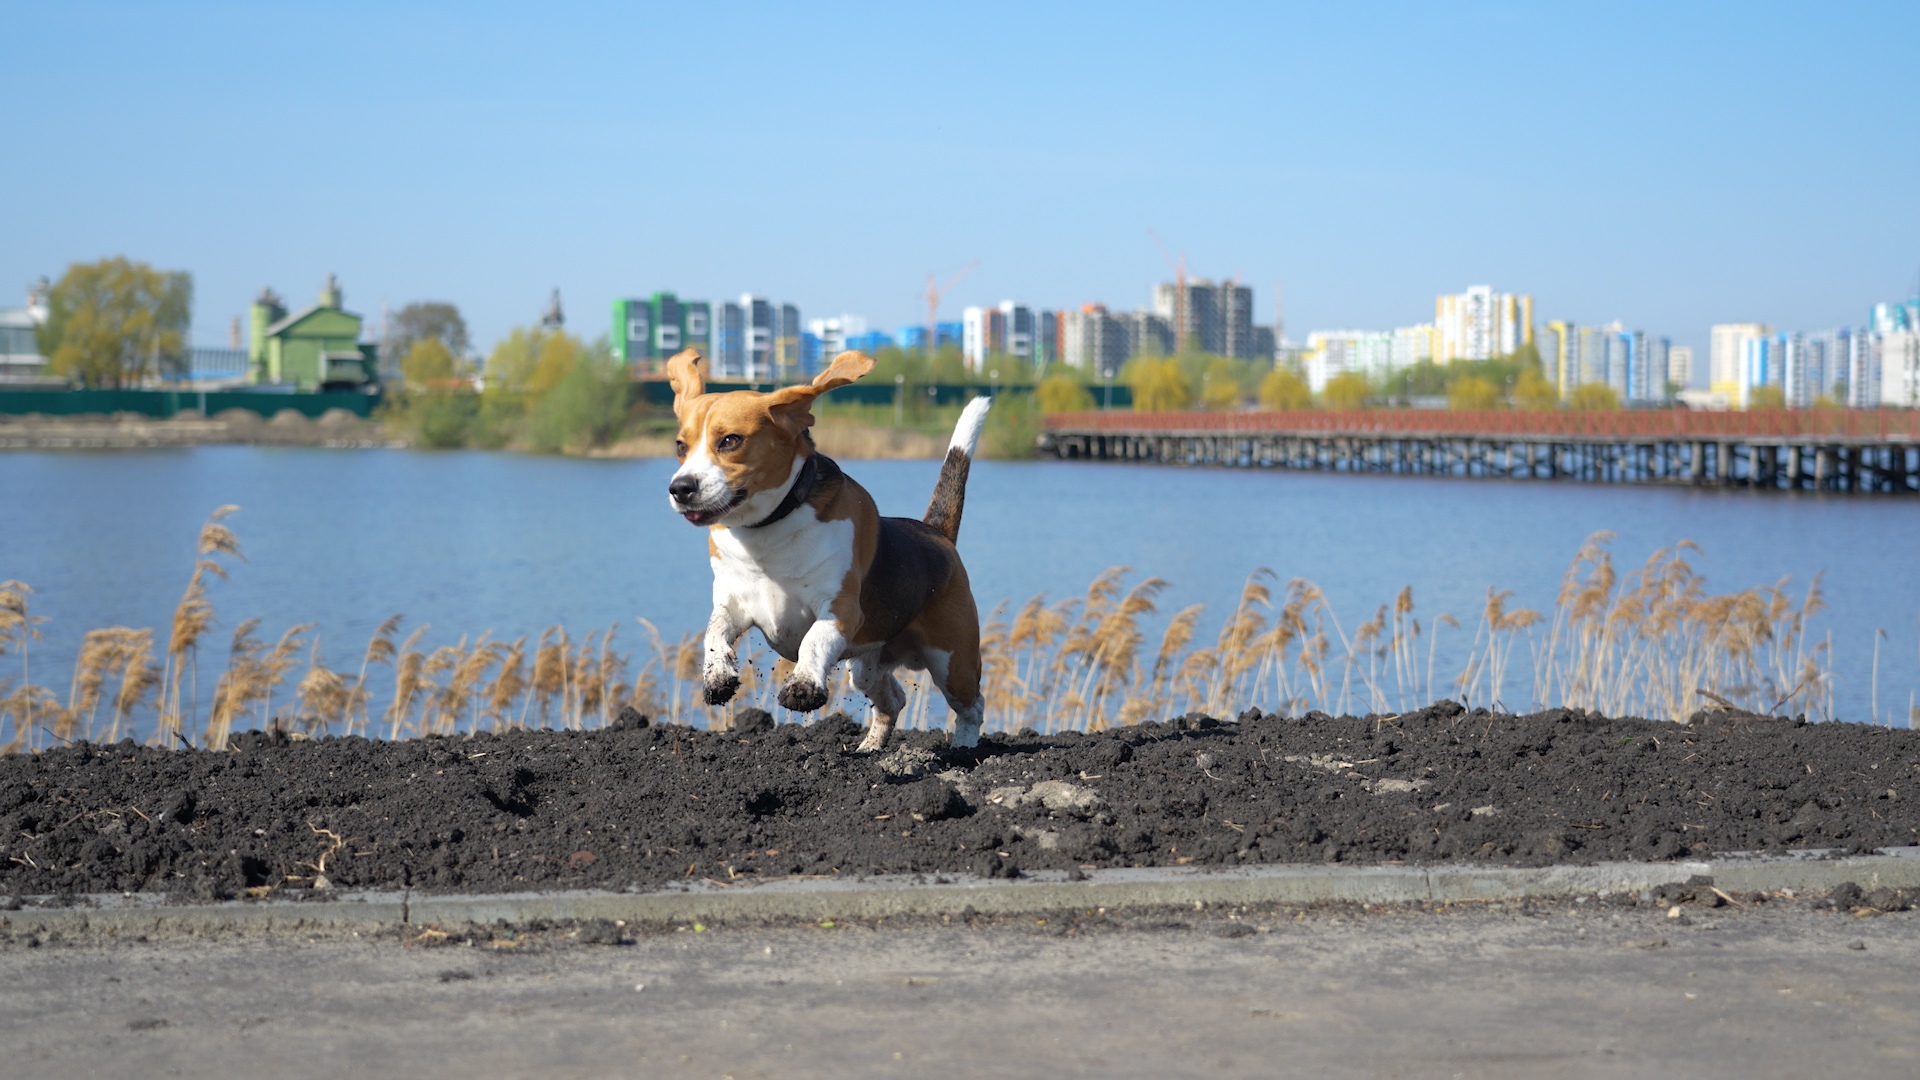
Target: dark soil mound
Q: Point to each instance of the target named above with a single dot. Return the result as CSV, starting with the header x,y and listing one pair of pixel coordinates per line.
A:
x,y
636,806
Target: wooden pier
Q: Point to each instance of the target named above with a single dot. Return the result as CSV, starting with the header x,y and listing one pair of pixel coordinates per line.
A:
x,y
1865,451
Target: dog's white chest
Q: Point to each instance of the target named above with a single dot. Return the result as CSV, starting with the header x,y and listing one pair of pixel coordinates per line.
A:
x,y
784,577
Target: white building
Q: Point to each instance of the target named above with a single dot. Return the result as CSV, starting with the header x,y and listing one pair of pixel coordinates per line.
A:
x,y
1413,345
1481,324
20,359
1680,366
1331,353
1005,329
1900,369
1723,355
833,333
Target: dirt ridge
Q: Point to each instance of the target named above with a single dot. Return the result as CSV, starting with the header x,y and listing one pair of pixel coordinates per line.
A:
x,y
638,806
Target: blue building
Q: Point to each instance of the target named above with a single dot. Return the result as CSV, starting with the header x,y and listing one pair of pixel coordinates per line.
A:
x,y
915,337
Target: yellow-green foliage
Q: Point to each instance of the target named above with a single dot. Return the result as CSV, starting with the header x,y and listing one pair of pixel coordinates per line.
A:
x,y
1766,397
1473,392
429,365
1593,397
1347,390
111,323
1062,393
1282,390
1531,390
1219,384
1158,384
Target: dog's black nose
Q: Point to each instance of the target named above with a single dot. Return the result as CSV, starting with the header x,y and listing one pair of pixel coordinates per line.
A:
x,y
683,488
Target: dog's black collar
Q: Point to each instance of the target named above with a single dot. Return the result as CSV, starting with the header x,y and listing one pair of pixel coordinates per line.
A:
x,y
818,467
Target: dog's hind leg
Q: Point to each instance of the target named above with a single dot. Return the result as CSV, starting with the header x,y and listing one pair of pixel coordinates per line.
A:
x,y
877,682
958,677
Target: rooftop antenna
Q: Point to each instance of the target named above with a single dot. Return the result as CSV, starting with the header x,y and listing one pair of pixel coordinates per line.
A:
x,y
553,318
1179,269
934,293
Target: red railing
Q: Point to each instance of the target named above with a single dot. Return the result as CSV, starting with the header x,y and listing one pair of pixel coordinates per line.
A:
x,y
1862,424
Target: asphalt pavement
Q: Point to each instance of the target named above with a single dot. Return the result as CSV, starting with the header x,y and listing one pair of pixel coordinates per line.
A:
x,y
1564,988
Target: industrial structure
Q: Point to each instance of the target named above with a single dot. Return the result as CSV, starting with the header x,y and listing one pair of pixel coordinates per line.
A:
x,y
316,348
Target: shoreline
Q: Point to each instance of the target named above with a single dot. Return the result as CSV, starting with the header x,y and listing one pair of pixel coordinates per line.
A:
x,y
231,427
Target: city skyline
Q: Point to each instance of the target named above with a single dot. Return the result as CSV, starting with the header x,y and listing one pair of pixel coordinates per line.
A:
x,y
487,157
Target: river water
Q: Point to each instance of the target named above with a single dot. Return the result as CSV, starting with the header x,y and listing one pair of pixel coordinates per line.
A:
x,y
474,541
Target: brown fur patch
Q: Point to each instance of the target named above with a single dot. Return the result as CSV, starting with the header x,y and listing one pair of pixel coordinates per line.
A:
x,y
950,494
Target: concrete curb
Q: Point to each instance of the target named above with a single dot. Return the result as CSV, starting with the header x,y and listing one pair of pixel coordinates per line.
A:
x,y
1048,891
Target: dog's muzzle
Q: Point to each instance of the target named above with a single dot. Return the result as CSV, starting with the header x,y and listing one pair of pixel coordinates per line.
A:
x,y
684,489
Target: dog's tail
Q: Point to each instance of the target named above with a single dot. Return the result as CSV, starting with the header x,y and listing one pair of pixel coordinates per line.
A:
x,y
950,492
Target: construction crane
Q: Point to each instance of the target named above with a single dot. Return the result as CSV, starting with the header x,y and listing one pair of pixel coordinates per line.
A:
x,y
1179,269
934,293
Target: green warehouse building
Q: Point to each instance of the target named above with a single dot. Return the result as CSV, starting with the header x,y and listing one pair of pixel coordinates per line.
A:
x,y
315,349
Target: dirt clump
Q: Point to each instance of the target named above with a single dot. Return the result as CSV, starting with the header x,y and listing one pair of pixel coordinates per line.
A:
x,y
642,806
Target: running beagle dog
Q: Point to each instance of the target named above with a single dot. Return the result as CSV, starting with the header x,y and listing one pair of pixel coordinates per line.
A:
x,y
800,553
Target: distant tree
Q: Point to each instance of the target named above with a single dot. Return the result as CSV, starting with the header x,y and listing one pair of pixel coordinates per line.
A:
x,y
1219,384
420,321
429,365
1348,390
1473,392
1158,385
1532,391
586,406
115,322
1593,397
1061,392
531,359
1766,397
1525,357
1283,390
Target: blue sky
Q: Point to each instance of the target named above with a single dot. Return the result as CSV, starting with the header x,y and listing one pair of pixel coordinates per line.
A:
x,y
1669,166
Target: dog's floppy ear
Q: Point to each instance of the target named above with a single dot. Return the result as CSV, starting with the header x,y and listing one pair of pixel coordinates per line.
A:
x,y
792,406
683,374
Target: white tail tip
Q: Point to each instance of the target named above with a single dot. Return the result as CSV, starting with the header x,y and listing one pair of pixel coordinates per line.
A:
x,y
966,433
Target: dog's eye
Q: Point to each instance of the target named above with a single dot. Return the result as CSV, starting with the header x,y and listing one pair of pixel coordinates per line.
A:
x,y
727,442
679,449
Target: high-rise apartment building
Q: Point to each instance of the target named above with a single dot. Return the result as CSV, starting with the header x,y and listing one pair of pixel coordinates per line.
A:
x,y
1648,359
1763,363
1094,340
1049,338
1414,345
1680,366
1899,368
1723,355
1148,333
1331,353
1894,317
1219,317
1007,329
1481,324
1559,347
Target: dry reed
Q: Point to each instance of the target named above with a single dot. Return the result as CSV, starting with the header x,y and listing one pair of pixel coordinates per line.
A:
x,y
1652,642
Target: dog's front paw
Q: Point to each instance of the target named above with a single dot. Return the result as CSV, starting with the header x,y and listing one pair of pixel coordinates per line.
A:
x,y
721,688
802,695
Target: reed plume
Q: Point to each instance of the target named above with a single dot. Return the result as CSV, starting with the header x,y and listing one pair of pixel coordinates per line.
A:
x,y
193,618
409,665
326,696
380,650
